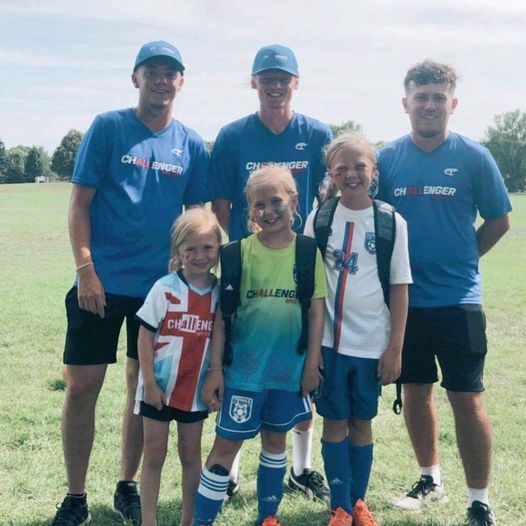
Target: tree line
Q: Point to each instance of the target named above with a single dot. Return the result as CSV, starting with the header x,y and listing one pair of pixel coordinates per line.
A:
x,y
505,138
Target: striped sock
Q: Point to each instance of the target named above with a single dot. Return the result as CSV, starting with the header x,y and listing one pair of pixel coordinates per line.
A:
x,y
210,494
271,472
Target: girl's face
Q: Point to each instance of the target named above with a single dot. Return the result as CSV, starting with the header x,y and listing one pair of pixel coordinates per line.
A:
x,y
352,172
272,208
199,254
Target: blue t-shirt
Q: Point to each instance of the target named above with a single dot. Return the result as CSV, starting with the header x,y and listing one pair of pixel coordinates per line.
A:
x,y
247,144
439,193
142,180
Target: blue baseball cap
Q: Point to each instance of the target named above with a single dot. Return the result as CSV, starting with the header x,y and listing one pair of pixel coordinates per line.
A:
x,y
159,48
275,57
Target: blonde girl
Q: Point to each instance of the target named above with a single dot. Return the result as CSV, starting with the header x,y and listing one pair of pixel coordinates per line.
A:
x,y
265,389
176,326
362,337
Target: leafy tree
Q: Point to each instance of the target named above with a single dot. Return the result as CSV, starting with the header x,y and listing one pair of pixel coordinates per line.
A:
x,y
3,162
37,163
64,157
16,161
506,140
346,127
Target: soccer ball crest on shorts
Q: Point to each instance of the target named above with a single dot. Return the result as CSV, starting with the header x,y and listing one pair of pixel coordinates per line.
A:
x,y
240,408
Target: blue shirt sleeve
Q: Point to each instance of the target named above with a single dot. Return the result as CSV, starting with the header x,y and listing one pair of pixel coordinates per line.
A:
x,y
93,160
224,166
490,191
199,189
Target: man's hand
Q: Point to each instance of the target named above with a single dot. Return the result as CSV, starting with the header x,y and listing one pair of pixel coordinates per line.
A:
x,y
90,291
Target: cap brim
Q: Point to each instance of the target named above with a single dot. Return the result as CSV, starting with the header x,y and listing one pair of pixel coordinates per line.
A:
x,y
180,67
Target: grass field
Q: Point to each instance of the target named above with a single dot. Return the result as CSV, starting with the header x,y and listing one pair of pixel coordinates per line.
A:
x,y
36,269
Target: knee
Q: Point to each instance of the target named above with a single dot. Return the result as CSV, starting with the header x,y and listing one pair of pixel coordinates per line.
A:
x,y
361,431
274,442
82,387
154,458
334,430
468,404
190,453
305,426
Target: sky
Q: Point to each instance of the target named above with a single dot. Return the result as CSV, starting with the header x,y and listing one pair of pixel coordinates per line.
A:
x,y
63,62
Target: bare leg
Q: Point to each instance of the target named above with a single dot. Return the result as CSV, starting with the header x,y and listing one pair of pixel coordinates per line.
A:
x,y
78,420
273,442
156,443
473,436
360,432
223,452
421,422
189,446
132,436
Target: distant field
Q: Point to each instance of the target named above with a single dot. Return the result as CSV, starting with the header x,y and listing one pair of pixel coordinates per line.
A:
x,y
36,269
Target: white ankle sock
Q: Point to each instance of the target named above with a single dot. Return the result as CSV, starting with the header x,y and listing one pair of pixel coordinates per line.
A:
x,y
478,494
432,471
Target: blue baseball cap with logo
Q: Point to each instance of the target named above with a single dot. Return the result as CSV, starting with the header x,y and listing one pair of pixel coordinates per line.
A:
x,y
159,48
275,56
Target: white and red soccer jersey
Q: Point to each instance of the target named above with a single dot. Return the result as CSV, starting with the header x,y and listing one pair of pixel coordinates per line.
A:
x,y
182,319
357,321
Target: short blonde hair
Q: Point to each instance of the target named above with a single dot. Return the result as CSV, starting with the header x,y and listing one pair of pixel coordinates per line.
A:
x,y
351,141
270,175
197,220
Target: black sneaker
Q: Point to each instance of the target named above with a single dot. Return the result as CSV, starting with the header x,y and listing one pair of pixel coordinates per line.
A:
x,y
480,515
231,491
126,502
72,512
422,492
311,483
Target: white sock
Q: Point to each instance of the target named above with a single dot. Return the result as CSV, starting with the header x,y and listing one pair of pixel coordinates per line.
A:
x,y
478,494
432,471
234,471
301,450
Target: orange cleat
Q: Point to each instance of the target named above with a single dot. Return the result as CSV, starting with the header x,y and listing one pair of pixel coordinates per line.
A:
x,y
362,516
271,521
340,518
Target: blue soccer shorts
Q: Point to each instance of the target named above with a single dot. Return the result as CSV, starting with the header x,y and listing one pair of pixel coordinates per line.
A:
x,y
244,413
350,388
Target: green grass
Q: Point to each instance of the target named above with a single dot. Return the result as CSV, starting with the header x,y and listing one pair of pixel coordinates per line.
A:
x,y
36,269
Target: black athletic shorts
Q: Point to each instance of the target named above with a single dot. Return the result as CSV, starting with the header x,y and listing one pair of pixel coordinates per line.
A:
x,y
167,414
456,336
92,340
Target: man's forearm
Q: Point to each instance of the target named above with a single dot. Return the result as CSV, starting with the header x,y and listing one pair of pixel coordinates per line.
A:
x,y
490,231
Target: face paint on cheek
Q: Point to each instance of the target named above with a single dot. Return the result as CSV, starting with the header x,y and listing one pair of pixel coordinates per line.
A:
x,y
282,207
260,213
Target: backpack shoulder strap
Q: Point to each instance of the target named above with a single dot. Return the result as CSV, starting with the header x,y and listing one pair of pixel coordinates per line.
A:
x,y
229,299
385,232
323,221
385,228
305,267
